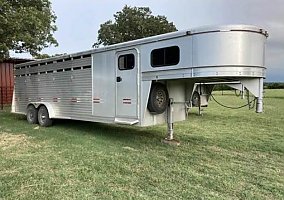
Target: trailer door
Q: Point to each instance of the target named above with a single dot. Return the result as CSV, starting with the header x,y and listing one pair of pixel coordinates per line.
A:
x,y
127,84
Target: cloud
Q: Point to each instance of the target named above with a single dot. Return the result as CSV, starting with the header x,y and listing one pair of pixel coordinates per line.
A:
x,y
269,15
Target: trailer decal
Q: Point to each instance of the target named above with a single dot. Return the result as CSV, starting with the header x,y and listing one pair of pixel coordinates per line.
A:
x,y
96,100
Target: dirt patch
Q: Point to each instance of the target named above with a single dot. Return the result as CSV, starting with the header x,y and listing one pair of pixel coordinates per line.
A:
x,y
9,141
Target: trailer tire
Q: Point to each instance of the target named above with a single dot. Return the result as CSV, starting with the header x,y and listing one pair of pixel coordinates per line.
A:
x,y
158,98
32,114
195,99
43,117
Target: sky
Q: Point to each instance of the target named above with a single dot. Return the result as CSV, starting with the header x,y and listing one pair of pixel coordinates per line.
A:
x,y
78,22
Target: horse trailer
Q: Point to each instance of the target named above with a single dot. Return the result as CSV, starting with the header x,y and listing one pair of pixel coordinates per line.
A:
x,y
143,82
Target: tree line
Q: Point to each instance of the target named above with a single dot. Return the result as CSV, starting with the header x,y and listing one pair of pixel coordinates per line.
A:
x,y
274,85
266,85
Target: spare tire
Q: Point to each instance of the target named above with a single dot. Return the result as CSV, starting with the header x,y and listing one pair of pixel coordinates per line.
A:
x,y
195,99
158,98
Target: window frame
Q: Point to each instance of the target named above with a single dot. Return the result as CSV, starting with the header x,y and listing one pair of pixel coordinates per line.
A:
x,y
125,55
164,58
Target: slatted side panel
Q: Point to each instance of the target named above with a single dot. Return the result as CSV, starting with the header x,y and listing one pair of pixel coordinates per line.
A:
x,y
6,83
66,85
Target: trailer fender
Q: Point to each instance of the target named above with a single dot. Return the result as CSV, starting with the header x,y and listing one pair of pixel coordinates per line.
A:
x,y
47,105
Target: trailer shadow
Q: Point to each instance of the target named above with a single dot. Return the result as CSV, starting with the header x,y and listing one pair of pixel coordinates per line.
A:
x,y
121,132
113,131
142,135
133,134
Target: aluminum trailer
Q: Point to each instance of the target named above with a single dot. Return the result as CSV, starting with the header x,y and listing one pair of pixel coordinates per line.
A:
x,y
133,82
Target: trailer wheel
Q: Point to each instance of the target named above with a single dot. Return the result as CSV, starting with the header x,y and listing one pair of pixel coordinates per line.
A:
x,y
195,99
32,112
43,117
158,99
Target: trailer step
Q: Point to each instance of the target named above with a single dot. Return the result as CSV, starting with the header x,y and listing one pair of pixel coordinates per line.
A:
x,y
126,121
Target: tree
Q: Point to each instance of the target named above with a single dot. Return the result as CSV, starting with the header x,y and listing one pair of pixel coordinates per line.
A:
x,y
26,26
43,56
133,23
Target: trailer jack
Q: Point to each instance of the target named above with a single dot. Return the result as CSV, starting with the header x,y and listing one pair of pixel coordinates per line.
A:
x,y
170,126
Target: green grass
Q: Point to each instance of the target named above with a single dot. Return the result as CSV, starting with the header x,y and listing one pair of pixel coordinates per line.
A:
x,y
224,154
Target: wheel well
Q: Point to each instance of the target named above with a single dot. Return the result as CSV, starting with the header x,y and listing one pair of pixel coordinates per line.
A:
x,y
31,104
37,106
41,105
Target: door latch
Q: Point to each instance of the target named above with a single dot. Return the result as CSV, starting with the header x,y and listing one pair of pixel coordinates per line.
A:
x,y
118,79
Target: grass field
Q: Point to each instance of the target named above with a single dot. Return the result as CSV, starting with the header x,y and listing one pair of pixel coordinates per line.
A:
x,y
224,154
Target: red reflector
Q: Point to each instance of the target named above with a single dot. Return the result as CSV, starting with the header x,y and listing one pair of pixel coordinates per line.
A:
x,y
126,101
74,100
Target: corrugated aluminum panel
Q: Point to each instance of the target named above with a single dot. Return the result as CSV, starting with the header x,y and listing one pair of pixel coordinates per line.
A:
x,y
66,86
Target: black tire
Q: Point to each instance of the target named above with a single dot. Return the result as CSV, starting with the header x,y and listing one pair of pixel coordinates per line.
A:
x,y
43,117
158,98
32,117
195,99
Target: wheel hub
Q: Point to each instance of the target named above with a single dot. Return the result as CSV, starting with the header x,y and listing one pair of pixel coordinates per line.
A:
x,y
31,115
160,98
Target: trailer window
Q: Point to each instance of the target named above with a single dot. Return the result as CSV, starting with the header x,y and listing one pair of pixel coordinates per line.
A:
x,y
165,56
126,62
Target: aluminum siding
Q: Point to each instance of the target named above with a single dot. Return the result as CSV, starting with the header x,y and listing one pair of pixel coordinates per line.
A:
x,y
65,85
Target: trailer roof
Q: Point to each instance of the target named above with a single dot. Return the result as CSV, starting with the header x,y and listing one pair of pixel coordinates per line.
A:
x,y
157,38
16,60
